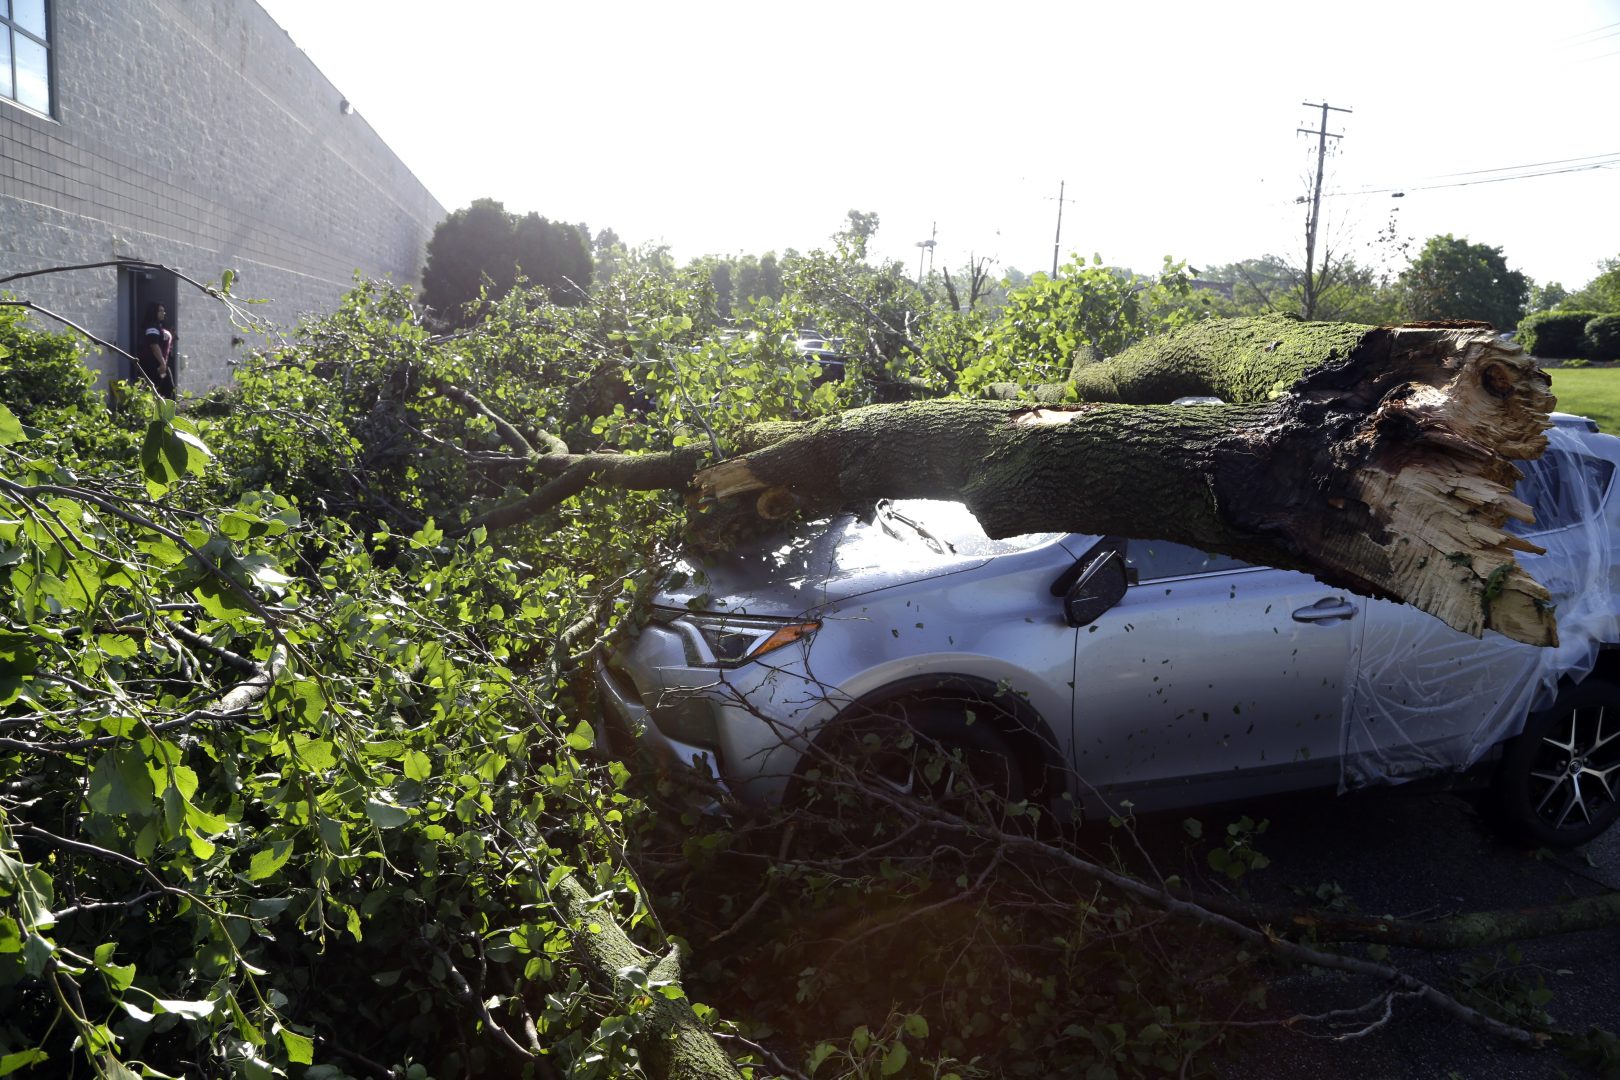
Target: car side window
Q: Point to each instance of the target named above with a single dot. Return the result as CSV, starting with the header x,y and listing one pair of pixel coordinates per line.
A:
x,y
1155,559
1564,489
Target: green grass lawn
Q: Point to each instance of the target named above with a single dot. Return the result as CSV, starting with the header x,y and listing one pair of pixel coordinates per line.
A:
x,y
1593,392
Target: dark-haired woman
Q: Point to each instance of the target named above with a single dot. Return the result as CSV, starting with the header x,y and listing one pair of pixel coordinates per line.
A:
x,y
156,349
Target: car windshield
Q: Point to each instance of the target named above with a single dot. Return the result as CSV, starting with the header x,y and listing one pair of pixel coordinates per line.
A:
x,y
947,528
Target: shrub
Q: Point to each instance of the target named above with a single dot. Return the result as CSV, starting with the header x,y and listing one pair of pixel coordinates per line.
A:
x,y
1602,338
1555,335
39,371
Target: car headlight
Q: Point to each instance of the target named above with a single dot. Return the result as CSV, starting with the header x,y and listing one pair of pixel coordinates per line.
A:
x,y
738,640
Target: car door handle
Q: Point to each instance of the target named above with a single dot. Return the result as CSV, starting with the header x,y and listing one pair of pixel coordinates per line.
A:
x,y
1328,609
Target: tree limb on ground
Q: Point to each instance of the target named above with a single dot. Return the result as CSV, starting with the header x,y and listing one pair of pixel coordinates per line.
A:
x,y
1471,930
675,1044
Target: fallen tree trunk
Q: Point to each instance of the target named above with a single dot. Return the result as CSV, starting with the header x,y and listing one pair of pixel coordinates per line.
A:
x,y
1379,459
1385,466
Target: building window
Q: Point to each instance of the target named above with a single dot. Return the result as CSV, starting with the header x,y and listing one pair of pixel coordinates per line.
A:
x,y
25,54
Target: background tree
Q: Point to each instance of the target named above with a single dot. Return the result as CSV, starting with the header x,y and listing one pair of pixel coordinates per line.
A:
x,y
608,254
859,229
553,254
1545,297
1602,293
758,278
1346,290
1454,279
484,247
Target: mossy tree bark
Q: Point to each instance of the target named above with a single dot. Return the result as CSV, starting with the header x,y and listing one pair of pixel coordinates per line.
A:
x,y
1378,459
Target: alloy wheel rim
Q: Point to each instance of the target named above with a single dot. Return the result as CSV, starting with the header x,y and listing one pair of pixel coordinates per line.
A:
x,y
1577,769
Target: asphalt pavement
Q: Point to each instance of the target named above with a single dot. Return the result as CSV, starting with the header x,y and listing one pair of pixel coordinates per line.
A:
x,y
1420,855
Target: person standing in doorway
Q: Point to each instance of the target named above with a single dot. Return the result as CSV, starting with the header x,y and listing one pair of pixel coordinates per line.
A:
x,y
157,350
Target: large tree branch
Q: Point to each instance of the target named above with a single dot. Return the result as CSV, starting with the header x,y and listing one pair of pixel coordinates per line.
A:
x,y
675,1044
1385,466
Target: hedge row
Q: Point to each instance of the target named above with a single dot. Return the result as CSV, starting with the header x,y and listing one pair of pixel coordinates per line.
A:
x,y
1571,335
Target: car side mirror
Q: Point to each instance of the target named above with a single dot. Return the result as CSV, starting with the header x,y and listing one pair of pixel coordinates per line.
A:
x,y
1099,587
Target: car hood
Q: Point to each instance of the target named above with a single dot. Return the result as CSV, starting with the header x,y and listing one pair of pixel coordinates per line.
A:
x,y
820,563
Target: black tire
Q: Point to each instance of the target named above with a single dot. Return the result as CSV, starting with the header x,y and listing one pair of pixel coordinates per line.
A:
x,y
929,750
1558,785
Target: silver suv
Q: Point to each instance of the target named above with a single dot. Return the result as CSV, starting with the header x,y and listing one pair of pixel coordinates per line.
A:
x,y
1101,670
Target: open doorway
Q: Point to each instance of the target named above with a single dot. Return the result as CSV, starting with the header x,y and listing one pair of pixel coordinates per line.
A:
x,y
139,291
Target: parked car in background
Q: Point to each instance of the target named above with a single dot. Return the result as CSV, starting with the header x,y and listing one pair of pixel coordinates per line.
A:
x,y
1097,671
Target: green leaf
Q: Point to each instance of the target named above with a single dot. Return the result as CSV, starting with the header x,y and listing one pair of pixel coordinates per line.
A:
x,y
164,550
11,430
917,1026
221,601
307,700
418,766
817,1056
119,976
120,645
385,815
300,1048
37,952
121,786
266,861
264,571
113,1069
191,1010
583,736
162,460
32,888
895,1059
314,753
136,1012
10,1063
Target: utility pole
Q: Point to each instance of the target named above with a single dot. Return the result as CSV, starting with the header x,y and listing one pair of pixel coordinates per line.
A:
x,y
1323,135
1058,239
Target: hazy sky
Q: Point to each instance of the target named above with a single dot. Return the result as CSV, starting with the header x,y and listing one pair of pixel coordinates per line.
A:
x,y
747,127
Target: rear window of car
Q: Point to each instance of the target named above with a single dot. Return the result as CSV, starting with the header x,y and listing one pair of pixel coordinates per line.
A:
x,y
1563,488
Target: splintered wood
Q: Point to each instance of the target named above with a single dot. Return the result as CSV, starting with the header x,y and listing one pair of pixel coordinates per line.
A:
x,y
1444,491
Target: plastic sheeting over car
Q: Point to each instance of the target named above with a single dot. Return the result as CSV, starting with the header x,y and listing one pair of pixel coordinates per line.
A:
x,y
1418,680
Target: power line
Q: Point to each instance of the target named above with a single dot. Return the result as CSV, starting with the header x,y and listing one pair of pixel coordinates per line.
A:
x,y
1613,28
1610,164
1530,165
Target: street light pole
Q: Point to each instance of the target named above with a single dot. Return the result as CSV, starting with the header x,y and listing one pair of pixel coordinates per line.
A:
x,y
929,246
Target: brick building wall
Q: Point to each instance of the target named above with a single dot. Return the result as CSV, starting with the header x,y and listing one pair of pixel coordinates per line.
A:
x,y
195,134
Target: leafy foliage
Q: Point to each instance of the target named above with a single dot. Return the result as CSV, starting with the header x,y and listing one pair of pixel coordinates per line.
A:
x,y
41,373
1454,279
1085,312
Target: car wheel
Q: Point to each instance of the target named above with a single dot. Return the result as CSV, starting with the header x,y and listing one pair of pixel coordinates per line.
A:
x,y
864,768
1558,781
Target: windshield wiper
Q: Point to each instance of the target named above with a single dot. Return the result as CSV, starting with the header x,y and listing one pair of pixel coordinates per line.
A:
x,y
886,513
